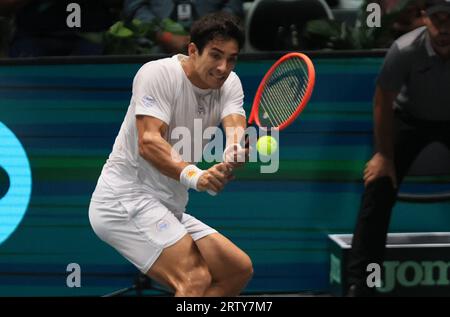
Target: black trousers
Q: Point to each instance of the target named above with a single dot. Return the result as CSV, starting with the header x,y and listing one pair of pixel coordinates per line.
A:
x,y
369,236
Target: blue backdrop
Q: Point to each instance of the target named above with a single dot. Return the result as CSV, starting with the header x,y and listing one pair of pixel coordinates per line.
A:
x,y
58,123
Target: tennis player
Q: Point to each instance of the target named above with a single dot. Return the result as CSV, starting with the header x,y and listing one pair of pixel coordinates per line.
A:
x,y
138,206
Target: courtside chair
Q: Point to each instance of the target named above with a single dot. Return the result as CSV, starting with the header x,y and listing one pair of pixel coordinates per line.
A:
x,y
433,161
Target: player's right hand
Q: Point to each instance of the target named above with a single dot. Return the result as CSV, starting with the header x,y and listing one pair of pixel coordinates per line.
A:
x,y
216,177
379,166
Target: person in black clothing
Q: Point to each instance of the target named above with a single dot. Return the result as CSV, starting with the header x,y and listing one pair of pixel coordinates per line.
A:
x,y
411,110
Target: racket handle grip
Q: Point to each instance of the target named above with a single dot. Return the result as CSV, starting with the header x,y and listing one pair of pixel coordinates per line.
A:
x,y
211,192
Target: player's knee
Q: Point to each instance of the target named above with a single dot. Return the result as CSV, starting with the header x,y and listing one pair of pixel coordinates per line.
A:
x,y
247,269
195,282
244,270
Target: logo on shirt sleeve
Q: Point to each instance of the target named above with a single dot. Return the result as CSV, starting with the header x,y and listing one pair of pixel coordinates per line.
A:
x,y
149,102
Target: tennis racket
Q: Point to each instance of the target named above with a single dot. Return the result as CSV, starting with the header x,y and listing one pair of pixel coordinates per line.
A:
x,y
284,92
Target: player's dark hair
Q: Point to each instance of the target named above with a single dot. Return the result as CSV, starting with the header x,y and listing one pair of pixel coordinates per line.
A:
x,y
218,25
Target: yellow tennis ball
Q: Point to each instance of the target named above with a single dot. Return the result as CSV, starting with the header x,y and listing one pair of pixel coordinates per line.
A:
x,y
266,145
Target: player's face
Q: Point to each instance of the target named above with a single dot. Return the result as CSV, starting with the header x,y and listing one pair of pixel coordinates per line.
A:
x,y
438,25
217,60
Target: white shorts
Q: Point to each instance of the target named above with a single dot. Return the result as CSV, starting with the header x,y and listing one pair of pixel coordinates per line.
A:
x,y
140,231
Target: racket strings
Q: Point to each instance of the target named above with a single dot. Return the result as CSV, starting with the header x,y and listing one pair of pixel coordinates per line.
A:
x,y
287,107
286,92
283,92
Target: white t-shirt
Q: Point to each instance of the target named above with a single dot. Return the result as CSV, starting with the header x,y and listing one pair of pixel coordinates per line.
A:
x,y
162,90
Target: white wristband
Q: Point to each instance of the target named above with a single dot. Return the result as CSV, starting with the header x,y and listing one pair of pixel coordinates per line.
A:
x,y
190,175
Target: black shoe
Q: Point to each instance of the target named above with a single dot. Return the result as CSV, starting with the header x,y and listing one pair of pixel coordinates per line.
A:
x,y
360,291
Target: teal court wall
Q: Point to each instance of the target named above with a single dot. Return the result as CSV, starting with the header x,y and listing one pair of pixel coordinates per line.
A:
x,y
66,114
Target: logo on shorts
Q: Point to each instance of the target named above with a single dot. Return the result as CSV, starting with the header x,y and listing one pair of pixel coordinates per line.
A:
x,y
162,225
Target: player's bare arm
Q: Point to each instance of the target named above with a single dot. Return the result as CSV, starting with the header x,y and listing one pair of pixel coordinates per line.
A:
x,y
154,148
234,126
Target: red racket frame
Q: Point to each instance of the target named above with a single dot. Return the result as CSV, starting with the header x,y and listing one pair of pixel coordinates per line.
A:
x,y
303,103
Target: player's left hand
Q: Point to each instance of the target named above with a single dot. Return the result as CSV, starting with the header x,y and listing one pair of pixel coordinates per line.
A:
x,y
236,155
